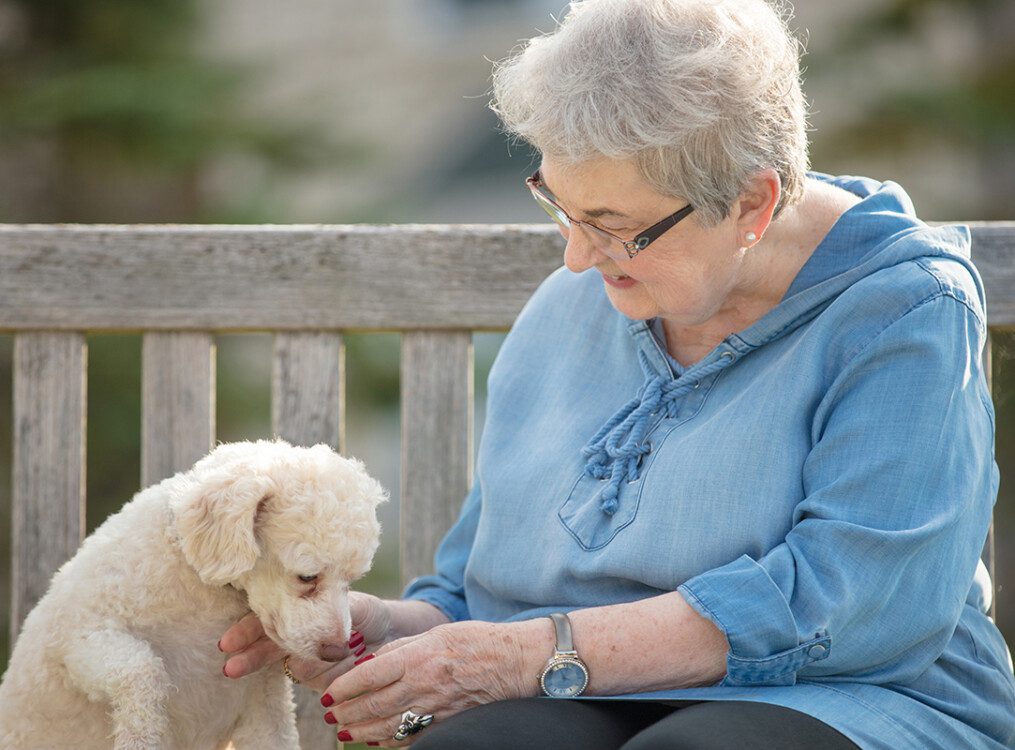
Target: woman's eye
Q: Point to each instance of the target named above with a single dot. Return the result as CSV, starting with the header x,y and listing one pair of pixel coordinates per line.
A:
x,y
308,579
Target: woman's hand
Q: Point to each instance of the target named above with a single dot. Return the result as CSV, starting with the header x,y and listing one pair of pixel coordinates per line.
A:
x,y
250,649
441,672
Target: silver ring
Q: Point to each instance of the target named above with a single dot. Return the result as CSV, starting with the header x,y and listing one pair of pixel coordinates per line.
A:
x,y
411,724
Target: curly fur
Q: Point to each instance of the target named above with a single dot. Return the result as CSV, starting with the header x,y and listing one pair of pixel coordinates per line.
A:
x,y
122,649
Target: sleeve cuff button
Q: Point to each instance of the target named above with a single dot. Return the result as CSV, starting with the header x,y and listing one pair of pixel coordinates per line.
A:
x,y
817,651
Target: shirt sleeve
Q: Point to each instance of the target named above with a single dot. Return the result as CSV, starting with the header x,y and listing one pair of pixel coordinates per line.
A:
x,y
899,487
445,589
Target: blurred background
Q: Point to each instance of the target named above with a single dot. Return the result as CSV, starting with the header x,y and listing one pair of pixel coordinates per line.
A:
x,y
248,111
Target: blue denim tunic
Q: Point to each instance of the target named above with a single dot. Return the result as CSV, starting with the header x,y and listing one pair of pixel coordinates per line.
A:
x,y
819,485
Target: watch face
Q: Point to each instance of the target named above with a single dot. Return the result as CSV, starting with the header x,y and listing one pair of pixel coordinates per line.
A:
x,y
565,679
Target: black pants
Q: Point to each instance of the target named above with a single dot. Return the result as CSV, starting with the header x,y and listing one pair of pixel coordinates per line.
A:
x,y
630,725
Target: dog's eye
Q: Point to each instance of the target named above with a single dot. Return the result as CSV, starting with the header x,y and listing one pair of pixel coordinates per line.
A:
x,y
308,579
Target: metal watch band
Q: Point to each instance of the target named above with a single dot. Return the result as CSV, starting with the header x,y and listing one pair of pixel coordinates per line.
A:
x,y
562,628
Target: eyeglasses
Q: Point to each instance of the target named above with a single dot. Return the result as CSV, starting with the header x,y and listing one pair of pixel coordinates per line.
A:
x,y
603,240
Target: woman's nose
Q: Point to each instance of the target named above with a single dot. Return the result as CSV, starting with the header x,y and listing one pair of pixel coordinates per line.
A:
x,y
580,253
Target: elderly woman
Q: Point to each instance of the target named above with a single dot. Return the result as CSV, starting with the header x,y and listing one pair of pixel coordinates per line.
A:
x,y
737,466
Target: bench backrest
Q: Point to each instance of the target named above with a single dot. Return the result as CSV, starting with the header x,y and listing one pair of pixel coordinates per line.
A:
x,y
179,285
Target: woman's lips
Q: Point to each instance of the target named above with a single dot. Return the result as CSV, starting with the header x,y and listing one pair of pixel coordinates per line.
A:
x,y
620,282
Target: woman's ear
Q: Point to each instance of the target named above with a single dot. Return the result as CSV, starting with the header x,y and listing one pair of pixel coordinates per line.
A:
x,y
756,206
214,516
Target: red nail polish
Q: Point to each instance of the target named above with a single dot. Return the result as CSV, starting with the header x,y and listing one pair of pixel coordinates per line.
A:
x,y
374,744
356,640
368,657
344,736
330,718
327,700
360,650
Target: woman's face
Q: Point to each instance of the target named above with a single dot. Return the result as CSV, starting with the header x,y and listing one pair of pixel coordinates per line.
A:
x,y
686,276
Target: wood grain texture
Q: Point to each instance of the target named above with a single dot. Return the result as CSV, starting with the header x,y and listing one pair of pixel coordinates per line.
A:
x,y
307,391
308,407
364,277
177,402
994,256
437,403
270,278
48,514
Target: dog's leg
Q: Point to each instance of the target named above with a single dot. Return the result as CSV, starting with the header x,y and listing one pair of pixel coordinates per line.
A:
x,y
112,666
268,721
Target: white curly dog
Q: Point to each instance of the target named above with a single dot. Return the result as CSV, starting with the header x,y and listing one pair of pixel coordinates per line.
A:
x,y
122,650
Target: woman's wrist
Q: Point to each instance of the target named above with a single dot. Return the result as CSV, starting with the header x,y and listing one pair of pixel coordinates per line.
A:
x,y
533,642
412,617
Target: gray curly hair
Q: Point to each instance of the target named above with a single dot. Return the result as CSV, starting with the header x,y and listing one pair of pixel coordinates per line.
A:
x,y
701,93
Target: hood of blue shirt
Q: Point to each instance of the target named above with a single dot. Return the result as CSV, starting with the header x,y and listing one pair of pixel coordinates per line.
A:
x,y
879,232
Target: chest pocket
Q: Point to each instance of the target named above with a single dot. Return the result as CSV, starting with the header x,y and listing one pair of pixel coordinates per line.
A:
x,y
582,513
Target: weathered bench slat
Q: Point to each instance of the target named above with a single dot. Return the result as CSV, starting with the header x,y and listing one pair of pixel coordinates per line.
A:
x,y
307,392
48,514
177,402
994,256
437,404
308,407
138,277
269,278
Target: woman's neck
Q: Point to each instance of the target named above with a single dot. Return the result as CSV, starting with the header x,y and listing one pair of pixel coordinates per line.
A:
x,y
769,270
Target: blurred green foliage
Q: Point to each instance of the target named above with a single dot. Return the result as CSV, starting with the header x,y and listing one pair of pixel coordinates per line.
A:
x,y
969,105
118,86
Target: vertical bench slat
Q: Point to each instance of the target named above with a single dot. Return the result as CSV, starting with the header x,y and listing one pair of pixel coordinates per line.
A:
x,y
48,514
988,548
177,402
437,403
308,407
308,395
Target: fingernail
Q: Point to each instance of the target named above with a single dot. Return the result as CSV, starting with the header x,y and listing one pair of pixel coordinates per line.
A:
x,y
219,644
327,700
224,670
361,649
344,736
374,744
330,718
368,657
356,640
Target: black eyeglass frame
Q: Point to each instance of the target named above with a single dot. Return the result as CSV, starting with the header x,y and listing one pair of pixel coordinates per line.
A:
x,y
632,247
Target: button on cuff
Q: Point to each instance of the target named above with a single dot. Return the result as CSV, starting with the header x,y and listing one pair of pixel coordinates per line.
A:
x,y
777,669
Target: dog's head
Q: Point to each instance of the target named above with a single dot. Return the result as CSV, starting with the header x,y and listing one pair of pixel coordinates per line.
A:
x,y
291,526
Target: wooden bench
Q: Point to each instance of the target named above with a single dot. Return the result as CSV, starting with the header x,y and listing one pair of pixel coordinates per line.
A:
x,y
180,285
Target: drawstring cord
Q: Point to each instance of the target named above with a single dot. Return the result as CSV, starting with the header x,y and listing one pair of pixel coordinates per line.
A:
x,y
607,458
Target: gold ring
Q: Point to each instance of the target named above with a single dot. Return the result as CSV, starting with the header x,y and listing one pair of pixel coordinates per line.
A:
x,y
288,672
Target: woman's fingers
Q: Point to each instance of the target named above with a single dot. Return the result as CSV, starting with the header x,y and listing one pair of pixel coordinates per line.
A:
x,y
398,643
318,675
241,634
370,616
257,655
359,717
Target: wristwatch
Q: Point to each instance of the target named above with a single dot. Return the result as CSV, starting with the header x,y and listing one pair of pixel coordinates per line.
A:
x,y
565,674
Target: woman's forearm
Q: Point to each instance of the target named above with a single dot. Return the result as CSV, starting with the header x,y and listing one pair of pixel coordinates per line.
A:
x,y
653,644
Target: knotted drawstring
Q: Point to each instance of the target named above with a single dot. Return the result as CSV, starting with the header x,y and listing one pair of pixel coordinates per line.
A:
x,y
607,458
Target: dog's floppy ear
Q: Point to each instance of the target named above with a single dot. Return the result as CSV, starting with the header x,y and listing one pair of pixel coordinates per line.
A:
x,y
214,515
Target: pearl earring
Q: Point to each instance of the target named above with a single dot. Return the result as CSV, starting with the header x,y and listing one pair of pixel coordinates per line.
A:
x,y
750,236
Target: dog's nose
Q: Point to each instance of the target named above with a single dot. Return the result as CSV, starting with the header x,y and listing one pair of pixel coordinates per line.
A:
x,y
330,652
